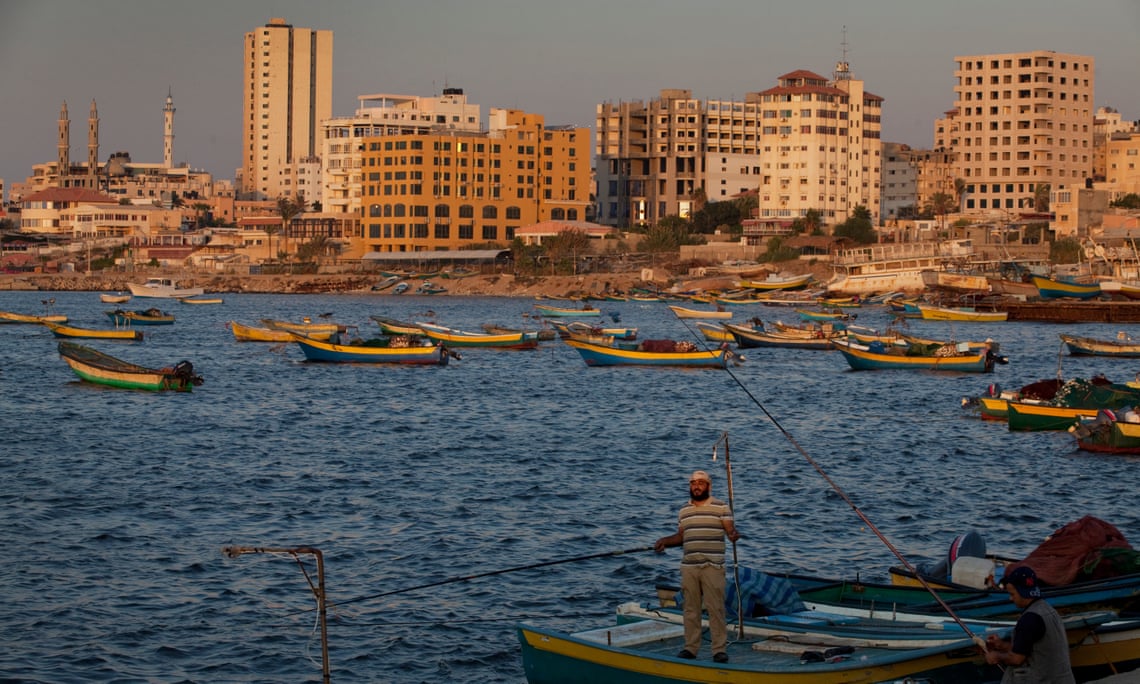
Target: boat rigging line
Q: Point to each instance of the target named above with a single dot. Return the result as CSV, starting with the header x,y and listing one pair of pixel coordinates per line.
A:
x,y
464,578
843,495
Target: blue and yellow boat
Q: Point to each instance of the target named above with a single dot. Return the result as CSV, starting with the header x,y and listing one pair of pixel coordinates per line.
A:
x,y
1050,288
650,353
881,357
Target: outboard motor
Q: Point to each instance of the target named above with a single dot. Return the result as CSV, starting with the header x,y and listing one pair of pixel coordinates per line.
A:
x,y
971,544
184,371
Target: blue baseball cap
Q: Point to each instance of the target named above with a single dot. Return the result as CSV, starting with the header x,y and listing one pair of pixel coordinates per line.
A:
x,y
1025,581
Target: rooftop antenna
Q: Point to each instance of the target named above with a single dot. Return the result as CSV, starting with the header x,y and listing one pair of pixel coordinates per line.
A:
x,y
843,68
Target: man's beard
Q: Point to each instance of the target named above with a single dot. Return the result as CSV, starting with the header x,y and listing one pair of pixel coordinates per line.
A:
x,y
699,497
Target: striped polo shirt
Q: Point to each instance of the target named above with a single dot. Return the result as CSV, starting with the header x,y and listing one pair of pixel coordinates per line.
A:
x,y
702,529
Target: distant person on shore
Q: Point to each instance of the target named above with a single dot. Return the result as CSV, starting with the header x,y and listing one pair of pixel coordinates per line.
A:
x,y
702,526
1039,649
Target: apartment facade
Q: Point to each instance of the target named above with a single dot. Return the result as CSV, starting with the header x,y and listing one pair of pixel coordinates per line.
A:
x,y
453,189
822,147
342,138
1023,120
899,196
287,93
809,143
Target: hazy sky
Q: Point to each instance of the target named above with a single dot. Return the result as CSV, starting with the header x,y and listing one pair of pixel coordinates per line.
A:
x,y
558,59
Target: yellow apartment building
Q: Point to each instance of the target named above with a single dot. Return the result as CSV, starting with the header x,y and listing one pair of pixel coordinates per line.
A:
x,y
287,79
452,190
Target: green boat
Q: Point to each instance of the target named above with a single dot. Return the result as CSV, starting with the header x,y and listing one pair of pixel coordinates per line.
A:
x,y
92,365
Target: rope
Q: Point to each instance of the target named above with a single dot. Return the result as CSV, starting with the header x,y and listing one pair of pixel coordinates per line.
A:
x,y
843,495
464,578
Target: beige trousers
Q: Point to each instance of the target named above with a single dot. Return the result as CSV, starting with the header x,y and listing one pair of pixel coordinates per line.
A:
x,y
704,584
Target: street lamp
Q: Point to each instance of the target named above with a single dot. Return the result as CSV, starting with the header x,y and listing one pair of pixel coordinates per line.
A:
x,y
318,591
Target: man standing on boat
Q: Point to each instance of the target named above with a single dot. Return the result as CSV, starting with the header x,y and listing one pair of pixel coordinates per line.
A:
x,y
1039,649
702,526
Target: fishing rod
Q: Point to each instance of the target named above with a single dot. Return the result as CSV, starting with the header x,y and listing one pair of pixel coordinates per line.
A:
x,y
843,495
735,560
464,578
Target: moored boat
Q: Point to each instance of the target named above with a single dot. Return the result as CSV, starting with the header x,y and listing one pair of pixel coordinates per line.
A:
x,y
163,288
683,312
116,298
881,357
401,349
1109,433
253,333
945,313
1123,346
305,327
70,331
98,368
775,283
563,312
651,353
392,326
1050,288
11,317
150,316
200,300
461,338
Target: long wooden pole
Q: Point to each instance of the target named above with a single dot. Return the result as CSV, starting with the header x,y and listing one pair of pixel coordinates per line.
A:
x,y
735,561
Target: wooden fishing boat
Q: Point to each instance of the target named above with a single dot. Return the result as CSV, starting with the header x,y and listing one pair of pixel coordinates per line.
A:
x,y
117,298
200,300
905,308
642,645
251,333
305,327
542,334
402,349
563,312
1048,288
460,338
881,357
683,312
392,326
955,281
70,331
150,316
943,313
1034,417
10,317
1109,434
428,288
566,329
102,369
163,288
738,301
774,283
915,340
807,315
1011,288
651,353
747,338
715,332
1123,346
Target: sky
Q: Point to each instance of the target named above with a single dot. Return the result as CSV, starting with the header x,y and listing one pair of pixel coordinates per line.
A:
x,y
555,58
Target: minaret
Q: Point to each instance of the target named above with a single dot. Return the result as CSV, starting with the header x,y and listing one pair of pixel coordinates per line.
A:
x,y
93,141
64,141
168,137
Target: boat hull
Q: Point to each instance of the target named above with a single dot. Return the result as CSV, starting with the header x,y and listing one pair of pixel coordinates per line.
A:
x,y
163,289
1055,289
1041,417
459,338
599,355
864,359
560,312
317,350
250,333
1116,437
125,318
939,313
682,312
67,331
98,368
1087,346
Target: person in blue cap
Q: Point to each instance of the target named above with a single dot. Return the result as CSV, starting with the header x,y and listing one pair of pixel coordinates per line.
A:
x,y
1038,650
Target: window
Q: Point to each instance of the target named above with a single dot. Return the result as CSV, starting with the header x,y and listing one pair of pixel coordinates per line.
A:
x,y
490,213
514,213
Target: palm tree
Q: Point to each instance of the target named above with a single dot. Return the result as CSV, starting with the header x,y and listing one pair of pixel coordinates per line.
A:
x,y
940,205
960,191
287,209
1041,198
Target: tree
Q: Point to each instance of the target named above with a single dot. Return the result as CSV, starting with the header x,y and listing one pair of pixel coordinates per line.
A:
x,y
811,223
669,234
1067,250
714,215
1129,201
940,205
778,251
959,192
287,209
200,209
1041,198
568,244
859,227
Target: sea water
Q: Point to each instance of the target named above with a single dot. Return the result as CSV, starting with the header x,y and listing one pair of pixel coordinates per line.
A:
x,y
117,504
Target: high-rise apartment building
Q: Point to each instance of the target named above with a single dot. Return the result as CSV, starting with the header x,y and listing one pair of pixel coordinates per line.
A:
x,y
822,147
649,158
1023,121
287,95
446,189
